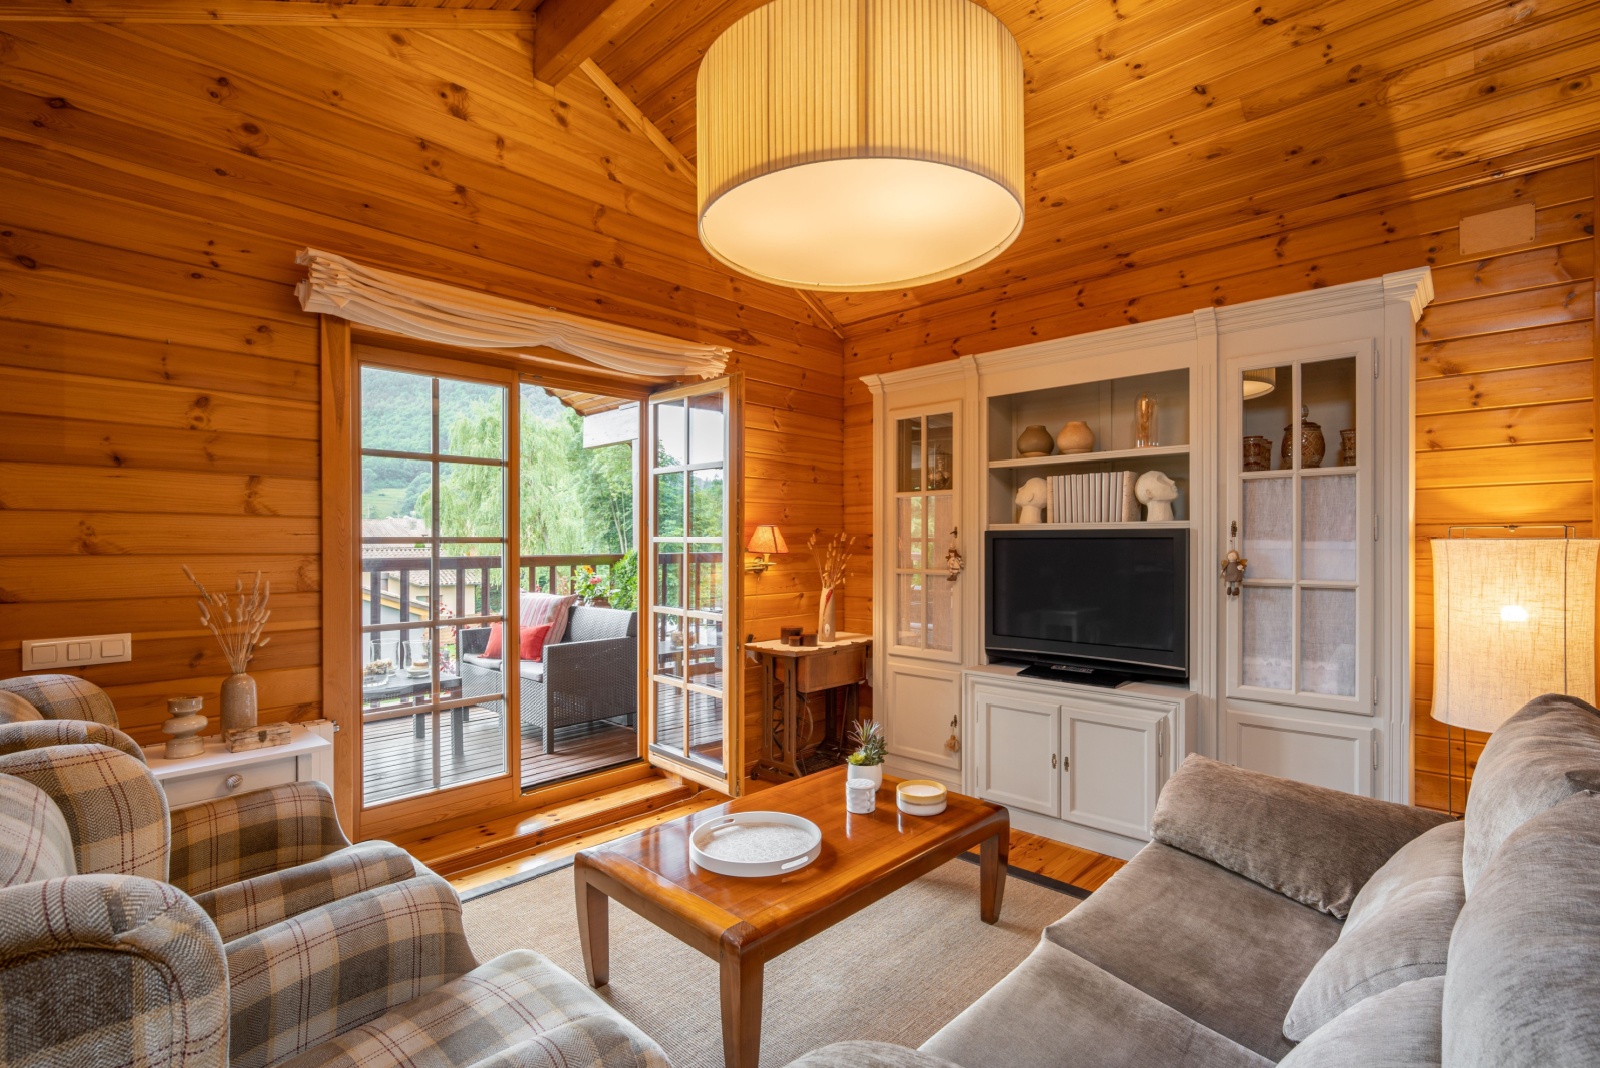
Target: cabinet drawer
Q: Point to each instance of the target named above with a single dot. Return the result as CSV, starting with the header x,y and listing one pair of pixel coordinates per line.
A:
x,y
210,785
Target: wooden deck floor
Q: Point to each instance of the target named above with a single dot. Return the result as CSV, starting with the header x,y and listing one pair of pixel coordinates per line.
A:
x,y
398,764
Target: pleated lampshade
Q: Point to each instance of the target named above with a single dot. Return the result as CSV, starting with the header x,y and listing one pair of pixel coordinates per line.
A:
x,y
860,144
1513,618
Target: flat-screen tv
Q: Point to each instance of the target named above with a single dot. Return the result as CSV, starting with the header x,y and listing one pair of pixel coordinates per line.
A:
x,y
1096,605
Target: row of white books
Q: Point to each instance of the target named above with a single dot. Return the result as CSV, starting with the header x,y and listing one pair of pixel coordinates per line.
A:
x,y
1099,497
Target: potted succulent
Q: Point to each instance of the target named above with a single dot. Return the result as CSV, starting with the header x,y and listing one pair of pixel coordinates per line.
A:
x,y
867,761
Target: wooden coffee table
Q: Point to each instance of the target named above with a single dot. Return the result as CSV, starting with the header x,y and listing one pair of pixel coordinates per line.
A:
x,y
743,923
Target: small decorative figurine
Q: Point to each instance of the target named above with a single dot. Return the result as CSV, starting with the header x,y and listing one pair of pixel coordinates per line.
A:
x,y
1031,499
1156,492
1233,567
183,725
953,562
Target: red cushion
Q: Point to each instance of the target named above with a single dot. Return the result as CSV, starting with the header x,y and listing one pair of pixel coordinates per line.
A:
x,y
496,641
533,639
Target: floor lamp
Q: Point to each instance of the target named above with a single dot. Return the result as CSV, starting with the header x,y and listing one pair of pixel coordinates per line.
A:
x,y
1513,618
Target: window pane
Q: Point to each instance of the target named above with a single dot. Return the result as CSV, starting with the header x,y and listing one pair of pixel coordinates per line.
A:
x,y
908,532
705,730
1268,403
669,505
1328,642
908,616
396,742
1328,392
669,717
705,652
941,446
471,419
707,431
472,501
705,504
471,580
396,497
941,628
705,577
909,435
472,744
669,575
671,646
396,411
1268,527
1268,632
1328,528
671,435
395,585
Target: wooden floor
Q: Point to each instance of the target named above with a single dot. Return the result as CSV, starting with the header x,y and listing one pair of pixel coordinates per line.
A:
x,y
398,764
1029,852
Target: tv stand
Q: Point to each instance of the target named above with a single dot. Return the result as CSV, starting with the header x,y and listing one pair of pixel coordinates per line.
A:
x,y
1083,676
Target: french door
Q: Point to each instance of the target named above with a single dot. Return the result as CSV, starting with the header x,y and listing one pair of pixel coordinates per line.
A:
x,y
690,632
438,542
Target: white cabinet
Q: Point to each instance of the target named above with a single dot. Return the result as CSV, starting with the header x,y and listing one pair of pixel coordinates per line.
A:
x,y
920,711
1075,763
217,773
1112,766
1016,738
1324,751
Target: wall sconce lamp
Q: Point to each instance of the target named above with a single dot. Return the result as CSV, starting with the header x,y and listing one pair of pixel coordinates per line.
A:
x,y
766,540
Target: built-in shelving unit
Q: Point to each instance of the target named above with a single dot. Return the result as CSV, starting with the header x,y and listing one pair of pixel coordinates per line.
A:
x,y
1109,407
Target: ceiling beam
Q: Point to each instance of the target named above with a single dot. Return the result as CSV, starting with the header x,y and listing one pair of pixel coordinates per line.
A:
x,y
570,31
261,13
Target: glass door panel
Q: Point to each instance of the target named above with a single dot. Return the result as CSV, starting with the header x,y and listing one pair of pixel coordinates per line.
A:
x,y
434,463
1298,502
923,594
689,599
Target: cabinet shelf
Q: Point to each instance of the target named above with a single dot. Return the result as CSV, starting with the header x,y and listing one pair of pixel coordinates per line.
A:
x,y
1058,460
1307,472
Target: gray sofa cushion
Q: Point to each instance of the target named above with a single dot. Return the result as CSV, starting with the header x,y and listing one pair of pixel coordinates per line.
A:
x,y
1056,1010
1316,845
1524,977
1214,946
1399,1028
868,1055
1398,930
1525,769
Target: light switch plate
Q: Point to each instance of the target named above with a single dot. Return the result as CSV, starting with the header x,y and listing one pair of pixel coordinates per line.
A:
x,y
64,654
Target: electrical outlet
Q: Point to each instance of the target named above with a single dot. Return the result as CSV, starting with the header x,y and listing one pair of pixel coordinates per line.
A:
x,y
62,654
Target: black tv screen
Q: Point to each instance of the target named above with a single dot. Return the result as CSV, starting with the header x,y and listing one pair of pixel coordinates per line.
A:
x,y
1116,599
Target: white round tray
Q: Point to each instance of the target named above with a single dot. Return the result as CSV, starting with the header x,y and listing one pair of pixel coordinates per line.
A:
x,y
753,844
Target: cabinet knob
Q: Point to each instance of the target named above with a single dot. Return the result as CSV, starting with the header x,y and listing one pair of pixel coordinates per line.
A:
x,y
232,781
1052,761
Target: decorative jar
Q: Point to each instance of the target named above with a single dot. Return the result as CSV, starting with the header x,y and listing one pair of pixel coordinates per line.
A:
x,y
238,702
1257,453
1312,445
860,794
1075,437
1035,441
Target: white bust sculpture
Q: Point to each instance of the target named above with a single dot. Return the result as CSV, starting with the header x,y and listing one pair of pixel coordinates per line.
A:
x,y
1156,492
1031,500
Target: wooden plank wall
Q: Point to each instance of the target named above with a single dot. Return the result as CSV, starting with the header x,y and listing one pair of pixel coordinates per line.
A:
x,y
159,384
1505,402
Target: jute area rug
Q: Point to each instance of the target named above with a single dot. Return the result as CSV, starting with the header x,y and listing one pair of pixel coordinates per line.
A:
x,y
894,972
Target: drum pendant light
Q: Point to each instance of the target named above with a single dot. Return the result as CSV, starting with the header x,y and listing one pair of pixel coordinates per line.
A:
x,y
859,145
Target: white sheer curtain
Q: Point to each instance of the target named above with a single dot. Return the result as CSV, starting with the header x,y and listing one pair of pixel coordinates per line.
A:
x,y
450,315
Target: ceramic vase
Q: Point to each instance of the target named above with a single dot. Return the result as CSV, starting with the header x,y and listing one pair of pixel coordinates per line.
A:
x,y
825,615
238,702
184,724
866,771
1312,445
1035,441
1145,425
1075,437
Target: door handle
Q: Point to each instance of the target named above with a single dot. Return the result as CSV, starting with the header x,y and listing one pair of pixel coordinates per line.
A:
x,y
1052,762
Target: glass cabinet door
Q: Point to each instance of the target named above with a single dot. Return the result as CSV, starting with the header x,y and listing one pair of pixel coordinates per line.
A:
x,y
1299,501
921,589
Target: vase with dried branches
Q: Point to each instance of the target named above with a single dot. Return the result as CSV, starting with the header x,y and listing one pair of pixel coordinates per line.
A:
x,y
831,564
236,619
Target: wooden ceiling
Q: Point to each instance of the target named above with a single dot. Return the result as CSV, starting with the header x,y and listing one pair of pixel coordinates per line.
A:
x,y
1152,124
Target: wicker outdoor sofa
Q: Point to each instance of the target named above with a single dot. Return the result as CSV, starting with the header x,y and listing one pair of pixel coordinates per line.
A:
x,y
590,675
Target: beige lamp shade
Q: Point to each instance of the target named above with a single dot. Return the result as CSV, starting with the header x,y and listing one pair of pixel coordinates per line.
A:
x,y
767,539
1513,619
859,145
1260,382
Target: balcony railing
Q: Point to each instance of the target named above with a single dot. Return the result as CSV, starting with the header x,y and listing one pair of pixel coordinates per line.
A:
x,y
462,597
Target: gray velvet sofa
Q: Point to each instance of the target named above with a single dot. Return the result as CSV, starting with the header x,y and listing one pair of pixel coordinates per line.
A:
x,y
1271,922
590,675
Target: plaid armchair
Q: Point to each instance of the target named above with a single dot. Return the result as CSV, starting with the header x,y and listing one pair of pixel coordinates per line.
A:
x,y
98,969
57,697
590,675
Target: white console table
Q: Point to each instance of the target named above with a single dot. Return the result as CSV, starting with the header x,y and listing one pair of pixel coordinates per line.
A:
x,y
218,773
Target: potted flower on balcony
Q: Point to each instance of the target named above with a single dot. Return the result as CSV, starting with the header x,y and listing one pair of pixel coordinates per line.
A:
x,y
867,761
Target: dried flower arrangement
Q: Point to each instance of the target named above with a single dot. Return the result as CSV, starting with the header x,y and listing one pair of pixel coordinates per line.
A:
x,y
833,560
236,619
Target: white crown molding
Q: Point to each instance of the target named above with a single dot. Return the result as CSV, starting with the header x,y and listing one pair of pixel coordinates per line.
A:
x,y
960,368
1413,287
